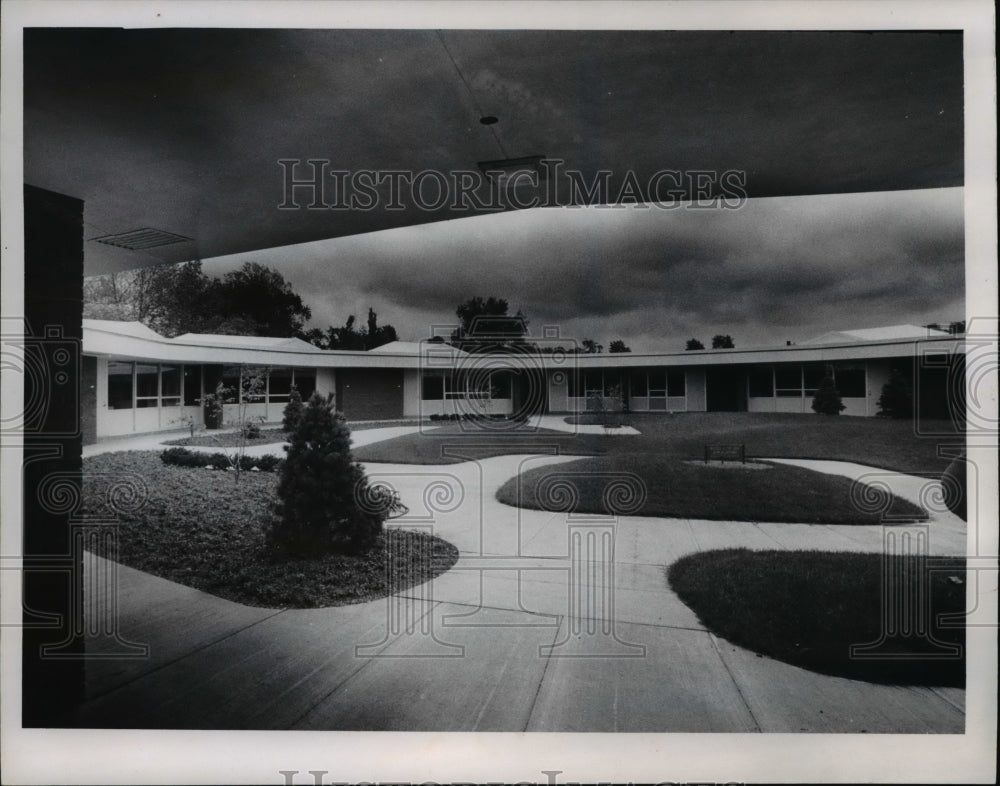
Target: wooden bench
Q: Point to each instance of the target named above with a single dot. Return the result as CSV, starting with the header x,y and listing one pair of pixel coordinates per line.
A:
x,y
725,453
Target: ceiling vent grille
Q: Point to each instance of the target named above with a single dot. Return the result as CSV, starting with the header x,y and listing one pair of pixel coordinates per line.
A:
x,y
141,239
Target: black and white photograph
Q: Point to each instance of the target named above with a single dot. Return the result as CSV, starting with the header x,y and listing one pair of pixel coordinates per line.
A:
x,y
580,391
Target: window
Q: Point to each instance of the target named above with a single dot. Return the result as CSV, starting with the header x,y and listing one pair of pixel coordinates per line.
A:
x,y
501,384
761,382
432,386
231,381
147,385
119,385
279,385
305,382
170,386
851,382
788,381
637,382
813,374
192,385
658,383
593,383
612,384
676,384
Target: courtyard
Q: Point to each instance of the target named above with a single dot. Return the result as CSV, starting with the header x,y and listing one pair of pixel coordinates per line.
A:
x,y
555,617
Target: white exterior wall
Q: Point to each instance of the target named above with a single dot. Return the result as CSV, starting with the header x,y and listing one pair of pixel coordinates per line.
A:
x,y
413,407
695,386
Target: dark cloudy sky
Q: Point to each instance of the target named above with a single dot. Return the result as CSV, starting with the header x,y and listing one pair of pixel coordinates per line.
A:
x,y
773,270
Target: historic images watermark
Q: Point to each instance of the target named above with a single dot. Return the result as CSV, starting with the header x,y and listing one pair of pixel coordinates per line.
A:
x,y
312,184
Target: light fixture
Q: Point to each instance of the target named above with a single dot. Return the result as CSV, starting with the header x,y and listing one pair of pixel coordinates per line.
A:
x,y
141,239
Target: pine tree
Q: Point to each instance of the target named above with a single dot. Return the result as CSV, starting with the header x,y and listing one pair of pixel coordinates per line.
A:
x,y
827,399
896,400
293,411
322,489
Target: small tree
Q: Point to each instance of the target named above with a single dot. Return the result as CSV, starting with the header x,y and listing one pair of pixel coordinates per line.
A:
x,y
827,399
293,411
322,492
723,342
896,400
618,346
693,344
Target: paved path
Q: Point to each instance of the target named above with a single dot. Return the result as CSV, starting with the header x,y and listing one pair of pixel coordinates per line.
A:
x,y
548,622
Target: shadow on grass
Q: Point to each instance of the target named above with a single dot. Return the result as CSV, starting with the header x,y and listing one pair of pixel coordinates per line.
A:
x,y
808,608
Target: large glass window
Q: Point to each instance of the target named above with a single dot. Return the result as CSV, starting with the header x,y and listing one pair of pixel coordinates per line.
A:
x,y
658,383
788,381
279,384
761,382
432,386
147,385
231,381
305,382
612,383
637,383
192,385
170,386
593,383
501,384
676,383
812,375
851,382
119,385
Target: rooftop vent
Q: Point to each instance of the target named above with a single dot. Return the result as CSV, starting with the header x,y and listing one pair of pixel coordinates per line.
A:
x,y
141,239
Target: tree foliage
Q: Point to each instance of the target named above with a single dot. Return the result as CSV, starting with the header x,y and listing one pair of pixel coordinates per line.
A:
x,y
324,500
175,299
722,342
618,346
292,413
485,325
693,344
352,338
827,400
896,400
591,347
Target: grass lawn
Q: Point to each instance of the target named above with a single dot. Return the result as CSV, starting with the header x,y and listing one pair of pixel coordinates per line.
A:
x,y
452,443
675,488
679,489
878,442
201,529
807,608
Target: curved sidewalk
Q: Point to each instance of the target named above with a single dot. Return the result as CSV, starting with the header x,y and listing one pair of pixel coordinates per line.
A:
x,y
548,622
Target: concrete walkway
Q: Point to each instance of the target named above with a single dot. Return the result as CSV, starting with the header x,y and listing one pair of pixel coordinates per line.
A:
x,y
549,622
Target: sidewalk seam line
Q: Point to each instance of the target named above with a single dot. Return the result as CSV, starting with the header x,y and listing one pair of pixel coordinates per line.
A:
x,y
739,691
545,670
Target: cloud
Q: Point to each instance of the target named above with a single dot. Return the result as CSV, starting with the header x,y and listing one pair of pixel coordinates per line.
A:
x,y
774,269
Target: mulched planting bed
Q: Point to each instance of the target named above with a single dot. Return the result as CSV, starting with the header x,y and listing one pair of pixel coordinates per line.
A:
x,y
204,530
807,608
231,439
647,485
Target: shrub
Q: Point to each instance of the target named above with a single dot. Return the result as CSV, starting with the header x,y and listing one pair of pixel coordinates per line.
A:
x,y
293,411
251,431
322,489
896,400
182,457
827,399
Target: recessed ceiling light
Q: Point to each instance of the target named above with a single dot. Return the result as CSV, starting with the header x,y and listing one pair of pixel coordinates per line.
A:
x,y
487,120
141,239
